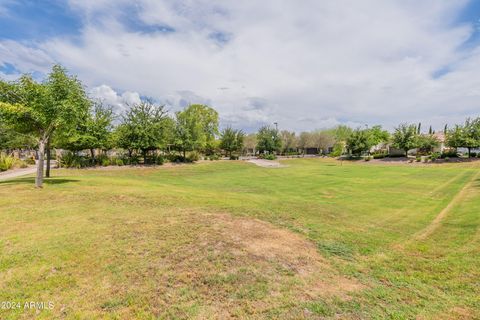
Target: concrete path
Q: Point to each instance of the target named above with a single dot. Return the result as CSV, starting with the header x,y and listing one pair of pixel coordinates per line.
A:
x,y
9,174
266,163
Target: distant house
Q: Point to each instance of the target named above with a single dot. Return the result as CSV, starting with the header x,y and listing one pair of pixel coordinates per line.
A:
x,y
441,139
392,151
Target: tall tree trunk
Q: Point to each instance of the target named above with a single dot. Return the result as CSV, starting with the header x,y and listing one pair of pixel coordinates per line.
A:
x,y
144,157
184,152
92,153
47,171
469,149
41,156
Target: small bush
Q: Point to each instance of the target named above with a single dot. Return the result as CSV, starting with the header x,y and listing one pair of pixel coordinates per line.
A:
x,y
30,161
473,154
158,160
449,154
175,158
233,157
119,162
368,158
105,162
71,160
267,156
6,162
213,157
270,156
435,156
379,155
193,156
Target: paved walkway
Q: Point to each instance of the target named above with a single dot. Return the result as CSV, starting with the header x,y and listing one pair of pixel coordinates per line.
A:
x,y
9,174
266,163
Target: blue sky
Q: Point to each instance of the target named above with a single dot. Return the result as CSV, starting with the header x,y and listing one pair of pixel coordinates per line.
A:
x,y
306,67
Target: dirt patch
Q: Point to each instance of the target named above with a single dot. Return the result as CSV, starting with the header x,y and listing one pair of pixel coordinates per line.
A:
x,y
292,252
266,163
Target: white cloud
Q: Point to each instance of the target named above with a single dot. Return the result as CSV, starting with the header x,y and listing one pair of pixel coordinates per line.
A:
x,y
110,97
349,61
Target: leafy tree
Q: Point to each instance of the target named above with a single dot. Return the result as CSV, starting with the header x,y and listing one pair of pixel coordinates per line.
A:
x,y
250,142
322,140
93,132
41,108
342,132
289,140
359,141
231,140
466,136
268,140
405,137
196,127
11,140
378,135
305,140
427,142
144,128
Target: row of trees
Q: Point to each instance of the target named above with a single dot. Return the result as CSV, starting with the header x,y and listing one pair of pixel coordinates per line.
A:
x,y
57,113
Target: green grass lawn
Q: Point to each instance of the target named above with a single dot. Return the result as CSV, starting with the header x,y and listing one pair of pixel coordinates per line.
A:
x,y
229,239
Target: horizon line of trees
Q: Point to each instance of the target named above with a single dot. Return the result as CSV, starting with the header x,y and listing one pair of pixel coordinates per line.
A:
x,y
57,113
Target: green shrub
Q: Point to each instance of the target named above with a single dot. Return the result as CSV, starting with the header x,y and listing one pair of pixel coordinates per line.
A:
x,y
379,155
233,157
270,156
368,158
214,157
118,162
30,161
434,156
105,162
70,160
101,159
193,156
6,162
158,160
473,154
176,158
449,154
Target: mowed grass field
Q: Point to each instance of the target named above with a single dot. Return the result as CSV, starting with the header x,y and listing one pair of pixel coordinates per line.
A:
x,y
315,239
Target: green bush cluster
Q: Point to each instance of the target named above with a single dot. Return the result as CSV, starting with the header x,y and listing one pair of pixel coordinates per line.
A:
x,y
213,157
6,162
267,156
449,154
380,155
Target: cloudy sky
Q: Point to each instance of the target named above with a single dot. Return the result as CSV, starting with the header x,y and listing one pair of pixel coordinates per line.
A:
x,y
304,64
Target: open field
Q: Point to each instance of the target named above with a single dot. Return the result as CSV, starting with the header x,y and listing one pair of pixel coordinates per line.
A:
x,y
313,239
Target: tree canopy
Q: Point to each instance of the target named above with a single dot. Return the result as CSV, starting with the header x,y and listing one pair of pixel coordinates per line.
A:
x,y
268,140
39,108
231,140
405,137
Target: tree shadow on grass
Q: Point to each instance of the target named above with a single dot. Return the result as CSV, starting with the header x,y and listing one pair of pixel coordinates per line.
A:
x,y
31,180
